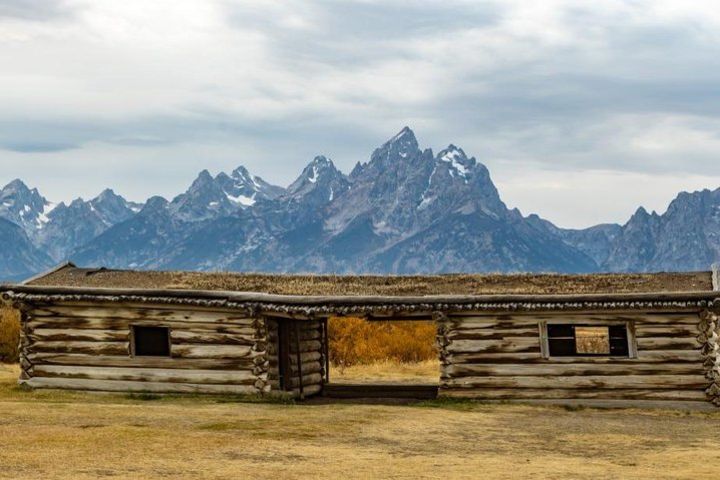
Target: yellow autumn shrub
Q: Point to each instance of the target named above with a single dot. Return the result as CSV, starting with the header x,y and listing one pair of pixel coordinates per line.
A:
x,y
9,334
355,341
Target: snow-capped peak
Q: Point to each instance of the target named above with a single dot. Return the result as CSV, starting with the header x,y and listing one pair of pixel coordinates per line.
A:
x,y
43,217
320,176
459,164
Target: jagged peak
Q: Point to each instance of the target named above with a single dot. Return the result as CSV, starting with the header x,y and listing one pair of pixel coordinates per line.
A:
x,y
242,173
16,184
322,160
204,175
406,133
155,203
641,211
356,170
458,162
405,137
108,193
320,170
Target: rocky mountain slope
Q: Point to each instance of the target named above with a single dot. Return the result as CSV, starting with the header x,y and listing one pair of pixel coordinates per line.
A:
x,y
20,259
406,210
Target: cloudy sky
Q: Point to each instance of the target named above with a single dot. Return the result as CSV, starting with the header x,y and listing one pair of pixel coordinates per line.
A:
x,y
583,111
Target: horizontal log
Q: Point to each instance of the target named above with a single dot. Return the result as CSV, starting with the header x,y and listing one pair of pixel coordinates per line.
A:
x,y
492,333
66,335
305,358
529,393
307,390
126,386
124,324
181,337
213,351
507,345
94,348
491,323
566,369
313,334
310,379
643,331
590,381
139,312
527,319
663,343
91,360
222,377
547,300
312,367
657,356
306,346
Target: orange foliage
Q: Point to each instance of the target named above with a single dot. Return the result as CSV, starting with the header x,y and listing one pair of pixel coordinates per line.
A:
x,y
355,341
9,334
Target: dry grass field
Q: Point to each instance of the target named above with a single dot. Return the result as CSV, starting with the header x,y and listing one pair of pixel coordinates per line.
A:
x,y
388,371
79,436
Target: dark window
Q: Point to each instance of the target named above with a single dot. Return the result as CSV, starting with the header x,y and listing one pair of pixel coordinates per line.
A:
x,y
587,340
151,341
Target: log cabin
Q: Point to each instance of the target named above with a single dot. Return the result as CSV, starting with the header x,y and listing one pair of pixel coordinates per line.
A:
x,y
613,339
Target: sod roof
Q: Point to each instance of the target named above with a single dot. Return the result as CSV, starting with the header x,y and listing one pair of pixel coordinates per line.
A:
x,y
381,285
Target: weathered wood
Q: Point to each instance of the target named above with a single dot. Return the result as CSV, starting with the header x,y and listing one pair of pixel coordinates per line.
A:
x,y
485,320
492,333
79,335
213,351
307,380
508,344
239,377
129,386
307,390
663,343
311,367
306,346
459,371
306,357
92,360
183,337
679,300
589,381
95,348
298,382
530,393
654,356
142,312
106,323
689,330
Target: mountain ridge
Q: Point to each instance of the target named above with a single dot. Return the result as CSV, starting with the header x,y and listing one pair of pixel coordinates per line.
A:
x,y
405,210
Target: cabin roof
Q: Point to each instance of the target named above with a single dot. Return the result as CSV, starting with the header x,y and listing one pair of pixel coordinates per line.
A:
x,y
69,275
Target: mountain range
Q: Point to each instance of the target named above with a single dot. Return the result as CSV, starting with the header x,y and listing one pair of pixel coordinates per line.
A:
x,y
406,210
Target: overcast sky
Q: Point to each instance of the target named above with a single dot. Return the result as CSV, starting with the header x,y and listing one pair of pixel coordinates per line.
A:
x,y
582,111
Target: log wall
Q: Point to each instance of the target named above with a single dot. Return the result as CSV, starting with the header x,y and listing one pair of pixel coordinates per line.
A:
x,y
87,347
501,358
312,361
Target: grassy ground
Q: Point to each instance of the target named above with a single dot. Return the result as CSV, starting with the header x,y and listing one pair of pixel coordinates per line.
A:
x,y
388,371
46,434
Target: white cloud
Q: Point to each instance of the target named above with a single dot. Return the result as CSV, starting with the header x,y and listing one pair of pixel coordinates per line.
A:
x,y
141,95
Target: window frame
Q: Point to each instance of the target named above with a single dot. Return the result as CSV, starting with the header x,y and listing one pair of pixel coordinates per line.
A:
x,y
133,354
576,322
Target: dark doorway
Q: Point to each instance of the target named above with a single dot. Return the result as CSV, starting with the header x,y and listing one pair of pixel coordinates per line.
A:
x,y
283,349
389,358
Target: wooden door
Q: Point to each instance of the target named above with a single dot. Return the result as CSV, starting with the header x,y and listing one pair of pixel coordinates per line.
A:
x,y
283,349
